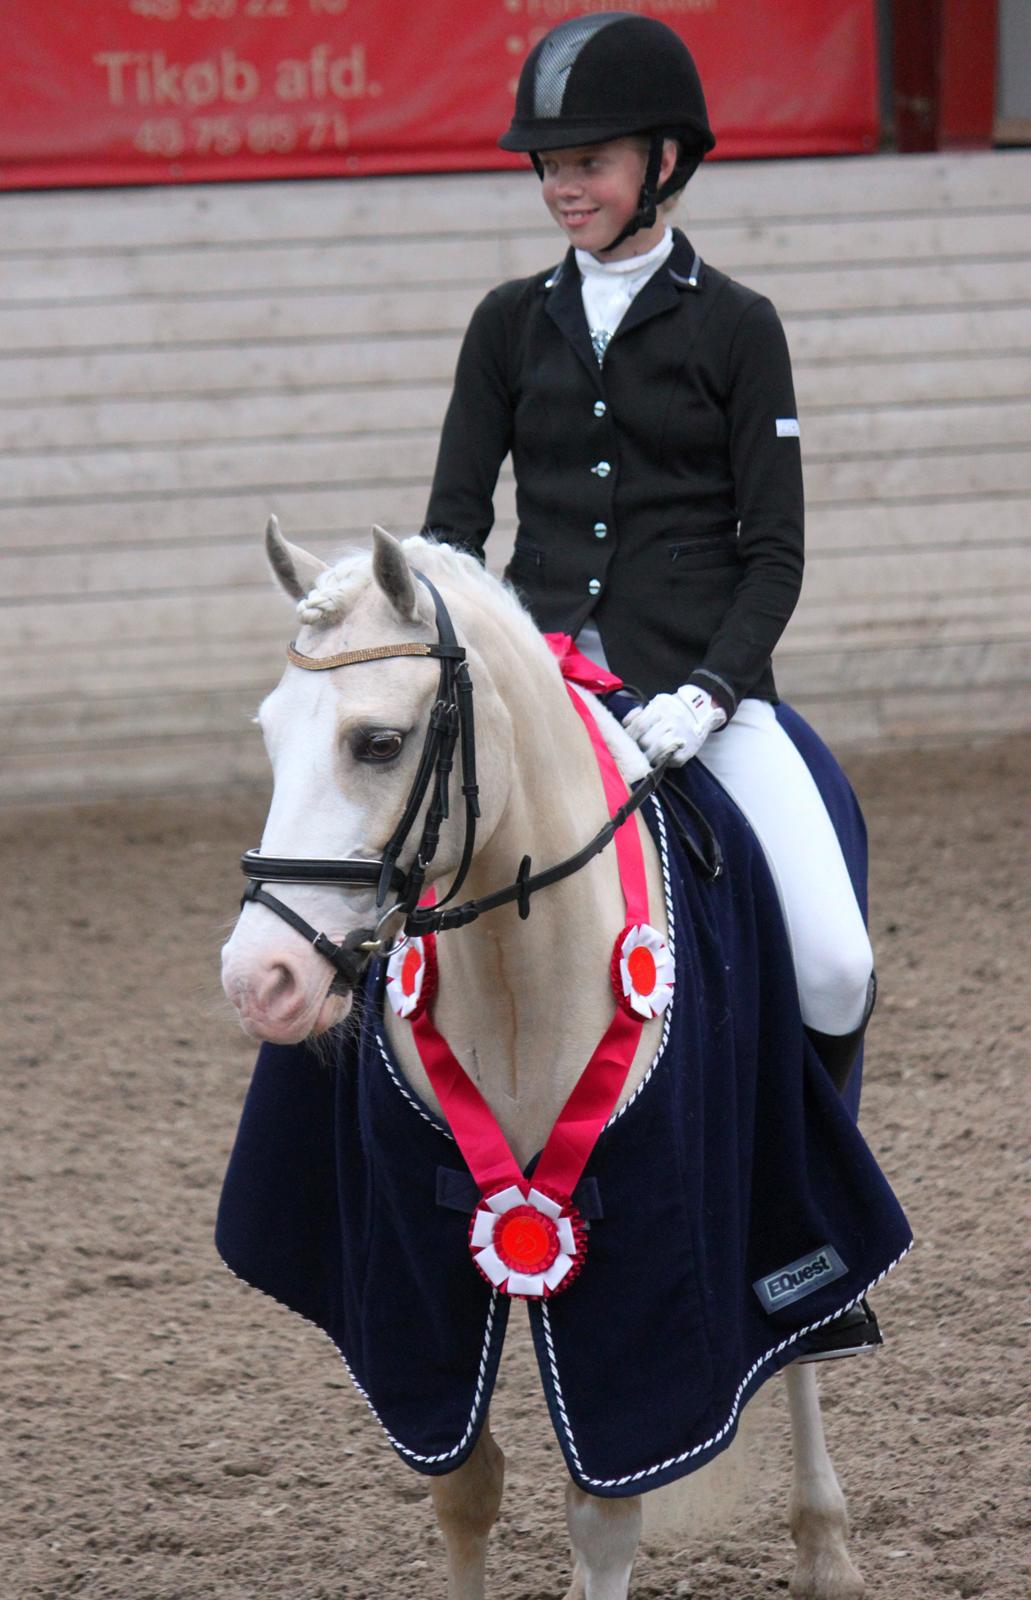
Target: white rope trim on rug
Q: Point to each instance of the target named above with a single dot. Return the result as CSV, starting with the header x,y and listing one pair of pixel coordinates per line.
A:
x,y
398,1081
671,941
478,1394
699,1449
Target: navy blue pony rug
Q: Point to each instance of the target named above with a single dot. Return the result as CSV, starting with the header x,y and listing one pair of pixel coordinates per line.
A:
x,y
732,1203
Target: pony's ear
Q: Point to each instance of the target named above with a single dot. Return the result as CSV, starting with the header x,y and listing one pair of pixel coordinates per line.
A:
x,y
293,568
393,574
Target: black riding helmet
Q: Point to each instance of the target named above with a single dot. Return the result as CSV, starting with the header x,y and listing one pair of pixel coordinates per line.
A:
x,y
605,77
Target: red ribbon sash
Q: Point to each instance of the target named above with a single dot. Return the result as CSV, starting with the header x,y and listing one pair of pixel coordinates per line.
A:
x,y
594,1096
575,667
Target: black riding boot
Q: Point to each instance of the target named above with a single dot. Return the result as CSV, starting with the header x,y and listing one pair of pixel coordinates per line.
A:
x,y
838,1051
856,1330
852,1334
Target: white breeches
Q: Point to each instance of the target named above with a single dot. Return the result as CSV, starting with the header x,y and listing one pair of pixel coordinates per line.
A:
x,y
756,762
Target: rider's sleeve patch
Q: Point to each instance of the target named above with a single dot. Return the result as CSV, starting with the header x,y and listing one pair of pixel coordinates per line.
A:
x,y
799,1278
787,428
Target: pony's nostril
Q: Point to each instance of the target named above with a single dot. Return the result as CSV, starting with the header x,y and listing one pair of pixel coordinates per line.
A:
x,y
277,988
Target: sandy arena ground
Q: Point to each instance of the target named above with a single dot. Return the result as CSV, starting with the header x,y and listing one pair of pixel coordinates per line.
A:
x,y
171,1435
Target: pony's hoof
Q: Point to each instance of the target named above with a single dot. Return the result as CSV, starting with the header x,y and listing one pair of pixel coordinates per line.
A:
x,y
577,1589
826,1575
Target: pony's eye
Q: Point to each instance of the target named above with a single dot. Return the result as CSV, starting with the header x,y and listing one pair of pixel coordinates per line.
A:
x,y
383,744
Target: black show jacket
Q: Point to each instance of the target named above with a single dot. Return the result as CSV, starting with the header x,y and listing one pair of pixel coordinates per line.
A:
x,y
659,494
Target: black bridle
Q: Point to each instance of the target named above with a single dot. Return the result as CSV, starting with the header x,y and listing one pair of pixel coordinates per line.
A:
x,y
450,723
451,720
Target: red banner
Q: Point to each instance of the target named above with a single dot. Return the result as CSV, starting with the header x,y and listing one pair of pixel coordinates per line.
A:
x,y
156,91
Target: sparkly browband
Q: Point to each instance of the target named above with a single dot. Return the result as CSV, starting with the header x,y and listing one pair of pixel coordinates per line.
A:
x,y
348,658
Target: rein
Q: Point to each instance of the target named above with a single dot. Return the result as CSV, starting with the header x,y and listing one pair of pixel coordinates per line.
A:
x,y
451,722
434,919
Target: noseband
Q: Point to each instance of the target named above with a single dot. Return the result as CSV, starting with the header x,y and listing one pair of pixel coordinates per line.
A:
x,y
451,722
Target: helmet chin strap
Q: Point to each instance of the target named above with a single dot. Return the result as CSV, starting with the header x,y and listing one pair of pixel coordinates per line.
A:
x,y
648,200
651,194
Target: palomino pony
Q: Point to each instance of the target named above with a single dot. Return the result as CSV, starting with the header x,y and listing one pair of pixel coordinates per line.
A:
x,y
360,732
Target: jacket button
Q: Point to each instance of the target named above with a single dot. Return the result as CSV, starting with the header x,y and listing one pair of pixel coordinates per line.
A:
x,y
602,469
600,529
600,408
594,587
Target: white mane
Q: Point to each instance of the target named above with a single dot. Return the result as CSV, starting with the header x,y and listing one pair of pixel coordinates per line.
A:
x,y
339,586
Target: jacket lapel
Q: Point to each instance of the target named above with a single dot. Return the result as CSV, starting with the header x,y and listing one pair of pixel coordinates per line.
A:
x,y
665,289
564,305
663,292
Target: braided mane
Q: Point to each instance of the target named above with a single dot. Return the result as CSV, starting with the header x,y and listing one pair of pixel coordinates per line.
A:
x,y
337,588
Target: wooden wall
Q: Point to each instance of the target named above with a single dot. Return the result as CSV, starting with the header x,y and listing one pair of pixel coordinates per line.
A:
x,y
176,363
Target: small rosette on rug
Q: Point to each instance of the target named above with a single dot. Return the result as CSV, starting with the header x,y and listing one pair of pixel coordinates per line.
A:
x,y
412,976
643,973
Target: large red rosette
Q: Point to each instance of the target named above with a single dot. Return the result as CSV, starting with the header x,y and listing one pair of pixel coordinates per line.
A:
x,y
527,1243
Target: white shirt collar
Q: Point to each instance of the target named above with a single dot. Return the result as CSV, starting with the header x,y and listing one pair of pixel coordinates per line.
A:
x,y
609,287
590,266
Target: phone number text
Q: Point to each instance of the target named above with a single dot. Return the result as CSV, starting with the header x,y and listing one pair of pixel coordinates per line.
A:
x,y
223,10
275,134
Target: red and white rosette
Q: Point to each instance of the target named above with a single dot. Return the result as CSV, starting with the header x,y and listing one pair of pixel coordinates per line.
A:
x,y
526,1243
643,973
412,976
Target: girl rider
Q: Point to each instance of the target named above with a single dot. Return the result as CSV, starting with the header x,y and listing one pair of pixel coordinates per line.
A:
x,y
647,402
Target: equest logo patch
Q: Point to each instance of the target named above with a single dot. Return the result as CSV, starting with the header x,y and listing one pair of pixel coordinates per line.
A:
x,y
799,1278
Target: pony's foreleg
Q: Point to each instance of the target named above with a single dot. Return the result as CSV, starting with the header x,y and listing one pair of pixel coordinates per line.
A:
x,y
817,1513
467,1502
604,1535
